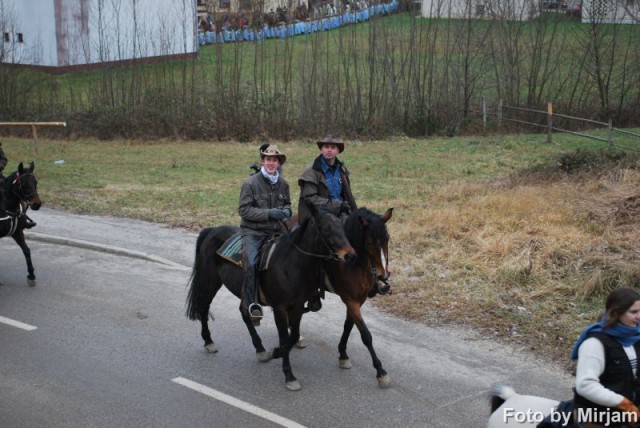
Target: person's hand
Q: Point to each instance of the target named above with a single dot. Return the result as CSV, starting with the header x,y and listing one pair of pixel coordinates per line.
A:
x,y
287,212
277,214
345,208
628,407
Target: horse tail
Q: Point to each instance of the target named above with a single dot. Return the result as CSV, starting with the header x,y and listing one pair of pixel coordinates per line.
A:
x,y
500,394
200,295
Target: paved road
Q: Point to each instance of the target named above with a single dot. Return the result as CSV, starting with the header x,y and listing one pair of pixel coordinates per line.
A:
x,y
112,347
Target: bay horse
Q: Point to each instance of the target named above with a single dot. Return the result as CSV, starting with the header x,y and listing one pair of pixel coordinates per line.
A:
x,y
354,282
20,193
288,283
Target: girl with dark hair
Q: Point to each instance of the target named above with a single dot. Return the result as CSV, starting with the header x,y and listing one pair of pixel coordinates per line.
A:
x,y
607,391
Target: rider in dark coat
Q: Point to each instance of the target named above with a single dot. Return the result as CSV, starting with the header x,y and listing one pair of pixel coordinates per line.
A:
x,y
325,185
265,203
3,163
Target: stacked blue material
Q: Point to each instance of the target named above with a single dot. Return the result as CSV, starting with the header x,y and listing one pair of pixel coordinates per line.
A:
x,y
311,26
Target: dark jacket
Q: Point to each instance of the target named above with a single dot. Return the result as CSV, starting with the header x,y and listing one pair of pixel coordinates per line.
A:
x,y
257,196
3,160
314,190
617,376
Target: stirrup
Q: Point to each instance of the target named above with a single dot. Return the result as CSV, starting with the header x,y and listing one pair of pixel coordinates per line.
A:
x,y
255,311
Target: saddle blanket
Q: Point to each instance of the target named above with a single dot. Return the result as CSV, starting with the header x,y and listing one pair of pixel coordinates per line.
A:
x,y
231,251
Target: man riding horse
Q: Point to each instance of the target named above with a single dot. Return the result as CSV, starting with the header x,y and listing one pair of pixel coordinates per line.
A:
x,y
3,162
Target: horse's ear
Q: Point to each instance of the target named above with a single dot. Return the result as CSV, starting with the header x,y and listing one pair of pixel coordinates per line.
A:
x,y
387,215
32,166
20,168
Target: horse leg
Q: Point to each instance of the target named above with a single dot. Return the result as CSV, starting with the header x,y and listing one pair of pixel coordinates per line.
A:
x,y
18,236
209,346
354,312
344,361
261,353
287,340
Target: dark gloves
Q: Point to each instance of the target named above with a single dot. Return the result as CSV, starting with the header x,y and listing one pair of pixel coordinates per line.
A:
x,y
345,208
279,213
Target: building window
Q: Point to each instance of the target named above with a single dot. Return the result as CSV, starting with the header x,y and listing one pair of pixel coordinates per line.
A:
x,y
20,38
7,38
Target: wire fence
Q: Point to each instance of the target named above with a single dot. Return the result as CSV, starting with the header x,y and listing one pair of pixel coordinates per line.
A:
x,y
504,113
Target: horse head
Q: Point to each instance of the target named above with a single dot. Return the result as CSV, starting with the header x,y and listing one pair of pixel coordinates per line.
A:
x,y
368,232
333,237
24,186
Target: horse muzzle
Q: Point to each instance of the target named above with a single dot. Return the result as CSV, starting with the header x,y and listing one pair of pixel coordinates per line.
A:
x,y
347,255
35,203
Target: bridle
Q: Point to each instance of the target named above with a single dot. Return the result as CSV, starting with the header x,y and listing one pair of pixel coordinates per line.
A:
x,y
330,256
19,192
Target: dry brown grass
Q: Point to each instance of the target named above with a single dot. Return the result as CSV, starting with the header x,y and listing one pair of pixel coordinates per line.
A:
x,y
527,262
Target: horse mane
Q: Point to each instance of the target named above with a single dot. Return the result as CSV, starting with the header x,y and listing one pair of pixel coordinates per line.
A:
x,y
289,239
355,231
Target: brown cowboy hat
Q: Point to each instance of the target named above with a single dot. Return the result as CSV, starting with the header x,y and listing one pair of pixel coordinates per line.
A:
x,y
272,150
330,139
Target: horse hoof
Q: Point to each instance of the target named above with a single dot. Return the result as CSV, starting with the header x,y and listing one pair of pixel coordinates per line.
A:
x,y
345,364
265,356
384,381
300,343
211,348
294,385
31,282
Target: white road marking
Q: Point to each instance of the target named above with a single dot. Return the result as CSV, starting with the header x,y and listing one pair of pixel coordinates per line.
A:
x,y
232,401
17,324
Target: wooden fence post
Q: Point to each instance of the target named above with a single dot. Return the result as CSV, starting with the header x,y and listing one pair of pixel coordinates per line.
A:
x,y
34,133
549,122
610,134
500,114
484,112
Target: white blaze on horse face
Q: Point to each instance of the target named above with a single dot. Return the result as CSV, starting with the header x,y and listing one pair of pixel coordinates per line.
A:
x,y
383,259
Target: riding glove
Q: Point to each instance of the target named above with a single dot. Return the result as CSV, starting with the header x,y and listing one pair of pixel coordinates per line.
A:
x,y
277,214
345,208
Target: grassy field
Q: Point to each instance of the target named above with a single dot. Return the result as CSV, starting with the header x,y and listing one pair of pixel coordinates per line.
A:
x,y
506,234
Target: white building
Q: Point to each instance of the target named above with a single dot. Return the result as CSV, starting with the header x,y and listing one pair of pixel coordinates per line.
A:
x,y
516,10
610,11
78,33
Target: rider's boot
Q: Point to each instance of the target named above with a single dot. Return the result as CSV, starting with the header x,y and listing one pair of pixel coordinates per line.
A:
x,y
29,223
249,300
314,304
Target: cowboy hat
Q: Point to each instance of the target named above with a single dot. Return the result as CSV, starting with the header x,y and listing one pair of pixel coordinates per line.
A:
x,y
330,139
272,150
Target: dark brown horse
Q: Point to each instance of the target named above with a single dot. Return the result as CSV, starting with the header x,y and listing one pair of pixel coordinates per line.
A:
x,y
20,193
291,279
367,233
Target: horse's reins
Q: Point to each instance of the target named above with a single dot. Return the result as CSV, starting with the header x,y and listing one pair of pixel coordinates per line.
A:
x,y
331,256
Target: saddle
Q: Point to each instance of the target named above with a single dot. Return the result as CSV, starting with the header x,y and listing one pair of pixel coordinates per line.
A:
x,y
231,251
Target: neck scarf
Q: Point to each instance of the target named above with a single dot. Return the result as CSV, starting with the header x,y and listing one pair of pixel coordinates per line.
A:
x,y
626,336
272,178
332,175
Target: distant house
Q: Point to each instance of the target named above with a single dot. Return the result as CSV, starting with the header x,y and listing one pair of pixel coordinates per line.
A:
x,y
515,10
607,11
64,34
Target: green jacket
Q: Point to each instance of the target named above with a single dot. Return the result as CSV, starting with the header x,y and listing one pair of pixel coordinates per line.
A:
x,y
257,196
